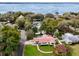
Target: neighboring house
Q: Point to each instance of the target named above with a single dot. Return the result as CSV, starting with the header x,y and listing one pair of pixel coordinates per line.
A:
x,y
44,40
69,38
36,23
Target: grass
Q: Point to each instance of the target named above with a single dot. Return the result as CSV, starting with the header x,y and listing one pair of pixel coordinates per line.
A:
x,y
30,50
75,48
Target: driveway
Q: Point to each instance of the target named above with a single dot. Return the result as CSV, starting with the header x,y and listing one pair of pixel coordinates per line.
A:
x,y
22,41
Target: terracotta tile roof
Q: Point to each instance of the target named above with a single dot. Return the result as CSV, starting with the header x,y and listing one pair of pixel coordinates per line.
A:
x,y
45,38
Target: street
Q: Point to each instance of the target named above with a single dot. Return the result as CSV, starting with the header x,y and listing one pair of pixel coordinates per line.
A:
x,y
22,40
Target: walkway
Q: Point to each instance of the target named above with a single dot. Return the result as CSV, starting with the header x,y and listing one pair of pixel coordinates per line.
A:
x,y
58,41
23,36
20,50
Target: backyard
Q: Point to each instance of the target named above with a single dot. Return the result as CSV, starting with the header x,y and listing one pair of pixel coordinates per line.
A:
x,y
30,50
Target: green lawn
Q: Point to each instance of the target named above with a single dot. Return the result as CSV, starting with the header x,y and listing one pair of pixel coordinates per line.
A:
x,y
30,50
75,50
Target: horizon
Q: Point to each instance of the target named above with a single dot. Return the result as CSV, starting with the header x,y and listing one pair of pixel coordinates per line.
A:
x,y
39,7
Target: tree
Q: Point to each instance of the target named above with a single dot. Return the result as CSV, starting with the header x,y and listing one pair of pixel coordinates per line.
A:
x,y
35,30
56,13
68,25
1,26
27,13
64,26
17,14
20,21
9,40
75,23
37,17
8,17
29,34
56,33
27,25
49,25
66,16
49,15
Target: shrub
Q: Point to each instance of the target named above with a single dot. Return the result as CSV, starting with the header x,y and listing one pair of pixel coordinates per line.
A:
x,y
29,34
35,29
62,50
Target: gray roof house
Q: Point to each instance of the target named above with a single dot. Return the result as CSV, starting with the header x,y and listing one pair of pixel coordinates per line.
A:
x,y
69,38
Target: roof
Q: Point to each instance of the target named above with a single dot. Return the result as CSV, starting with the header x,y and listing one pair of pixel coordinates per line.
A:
x,y
70,38
44,39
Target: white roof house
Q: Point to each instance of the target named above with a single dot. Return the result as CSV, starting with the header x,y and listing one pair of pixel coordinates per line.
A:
x,y
37,24
70,38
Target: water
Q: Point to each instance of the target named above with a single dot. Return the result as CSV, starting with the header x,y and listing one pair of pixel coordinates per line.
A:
x,y
40,8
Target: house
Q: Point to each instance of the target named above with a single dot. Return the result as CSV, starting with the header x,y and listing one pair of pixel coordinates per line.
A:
x,y
36,24
44,40
69,38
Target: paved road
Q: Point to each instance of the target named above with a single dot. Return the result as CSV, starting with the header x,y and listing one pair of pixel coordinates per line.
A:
x,y
20,50
22,40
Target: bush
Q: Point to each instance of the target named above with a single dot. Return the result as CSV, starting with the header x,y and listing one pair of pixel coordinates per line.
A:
x,y
62,50
30,34
35,30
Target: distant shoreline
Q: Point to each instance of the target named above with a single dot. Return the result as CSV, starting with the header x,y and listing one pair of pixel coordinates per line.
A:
x,y
39,2
39,7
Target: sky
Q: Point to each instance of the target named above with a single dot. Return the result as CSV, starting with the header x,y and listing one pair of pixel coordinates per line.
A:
x,y
40,7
